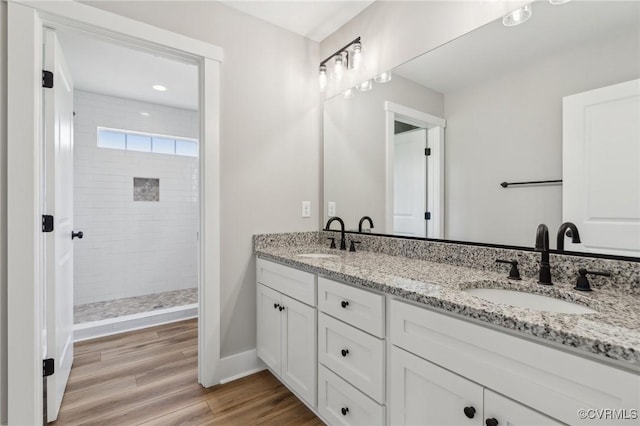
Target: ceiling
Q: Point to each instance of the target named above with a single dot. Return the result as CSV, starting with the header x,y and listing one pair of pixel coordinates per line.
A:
x,y
113,69
495,49
310,18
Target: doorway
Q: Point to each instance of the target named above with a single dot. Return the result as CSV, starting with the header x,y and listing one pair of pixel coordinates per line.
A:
x,y
25,172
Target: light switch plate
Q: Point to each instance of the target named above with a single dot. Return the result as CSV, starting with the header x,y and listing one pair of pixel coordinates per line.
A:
x,y
306,209
331,208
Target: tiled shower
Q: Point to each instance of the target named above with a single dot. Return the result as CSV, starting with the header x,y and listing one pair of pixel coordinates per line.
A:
x,y
136,200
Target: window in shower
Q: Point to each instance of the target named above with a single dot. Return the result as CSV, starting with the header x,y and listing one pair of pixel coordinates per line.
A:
x,y
146,142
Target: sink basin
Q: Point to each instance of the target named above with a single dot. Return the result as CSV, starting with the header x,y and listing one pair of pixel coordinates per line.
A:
x,y
318,255
535,302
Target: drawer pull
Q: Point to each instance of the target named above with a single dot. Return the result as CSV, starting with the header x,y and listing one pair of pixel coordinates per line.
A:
x,y
470,412
344,303
344,410
281,308
491,422
276,306
344,352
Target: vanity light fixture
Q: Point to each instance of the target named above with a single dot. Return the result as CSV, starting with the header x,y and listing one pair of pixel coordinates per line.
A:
x,y
365,86
322,77
555,2
349,94
159,88
518,16
383,78
348,57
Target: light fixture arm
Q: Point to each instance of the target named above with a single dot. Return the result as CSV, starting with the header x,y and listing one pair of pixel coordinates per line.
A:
x,y
341,51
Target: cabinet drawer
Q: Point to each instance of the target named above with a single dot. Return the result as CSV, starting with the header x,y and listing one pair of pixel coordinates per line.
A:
x,y
360,308
294,283
342,404
353,354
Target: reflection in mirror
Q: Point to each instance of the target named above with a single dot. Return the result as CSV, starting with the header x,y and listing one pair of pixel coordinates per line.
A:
x,y
514,104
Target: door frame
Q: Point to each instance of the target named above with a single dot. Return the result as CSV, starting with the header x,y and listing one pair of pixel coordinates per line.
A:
x,y
25,241
435,163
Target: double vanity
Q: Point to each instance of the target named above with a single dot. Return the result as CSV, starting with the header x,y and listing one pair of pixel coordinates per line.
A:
x,y
407,332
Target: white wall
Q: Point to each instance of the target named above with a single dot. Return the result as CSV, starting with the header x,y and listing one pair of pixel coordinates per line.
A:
x,y
509,128
131,248
269,135
355,147
394,32
3,213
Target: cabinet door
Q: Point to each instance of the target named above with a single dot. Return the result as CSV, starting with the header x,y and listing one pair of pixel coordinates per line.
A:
x,y
299,342
269,340
508,412
422,393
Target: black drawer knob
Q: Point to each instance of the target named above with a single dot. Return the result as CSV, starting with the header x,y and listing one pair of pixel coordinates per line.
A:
x,y
281,308
470,412
276,306
344,352
78,234
344,410
491,422
344,303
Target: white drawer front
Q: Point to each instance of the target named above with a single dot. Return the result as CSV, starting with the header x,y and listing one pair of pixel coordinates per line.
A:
x,y
549,380
342,404
354,355
360,308
292,282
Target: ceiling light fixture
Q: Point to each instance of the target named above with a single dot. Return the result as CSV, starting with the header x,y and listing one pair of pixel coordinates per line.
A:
x,y
145,114
556,2
348,57
365,86
518,16
383,78
159,88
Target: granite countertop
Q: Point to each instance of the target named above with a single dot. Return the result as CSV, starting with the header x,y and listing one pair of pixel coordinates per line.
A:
x,y
612,333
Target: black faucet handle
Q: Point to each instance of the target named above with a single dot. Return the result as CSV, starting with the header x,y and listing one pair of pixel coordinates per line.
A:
x,y
333,243
583,282
352,247
514,274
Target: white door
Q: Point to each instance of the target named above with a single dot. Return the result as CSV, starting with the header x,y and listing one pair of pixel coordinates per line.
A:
x,y
601,168
410,183
58,139
508,412
299,328
424,394
269,337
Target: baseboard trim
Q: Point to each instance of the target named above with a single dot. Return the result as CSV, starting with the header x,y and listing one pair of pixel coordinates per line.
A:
x,y
237,366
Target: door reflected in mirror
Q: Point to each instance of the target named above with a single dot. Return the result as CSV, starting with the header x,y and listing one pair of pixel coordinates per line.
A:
x,y
499,94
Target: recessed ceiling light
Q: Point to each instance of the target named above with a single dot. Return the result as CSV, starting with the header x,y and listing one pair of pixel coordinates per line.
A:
x,y
518,16
554,2
145,114
159,88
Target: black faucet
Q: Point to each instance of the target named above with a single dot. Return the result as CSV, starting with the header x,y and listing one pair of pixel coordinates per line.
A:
x,y
571,231
362,219
542,245
343,242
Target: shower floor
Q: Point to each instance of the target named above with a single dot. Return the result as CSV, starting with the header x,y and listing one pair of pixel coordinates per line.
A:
x,y
99,311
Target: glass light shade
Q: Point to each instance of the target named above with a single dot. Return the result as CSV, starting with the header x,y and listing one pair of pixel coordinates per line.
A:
x,y
518,16
356,56
559,1
338,68
365,86
383,78
322,77
349,94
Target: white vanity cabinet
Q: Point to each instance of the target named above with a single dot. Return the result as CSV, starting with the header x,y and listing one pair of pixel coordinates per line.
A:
x,y
351,353
287,328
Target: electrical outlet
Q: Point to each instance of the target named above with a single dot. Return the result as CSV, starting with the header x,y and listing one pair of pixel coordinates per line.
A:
x,y
306,209
331,208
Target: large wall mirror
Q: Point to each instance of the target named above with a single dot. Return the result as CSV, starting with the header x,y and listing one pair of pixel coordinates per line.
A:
x,y
556,98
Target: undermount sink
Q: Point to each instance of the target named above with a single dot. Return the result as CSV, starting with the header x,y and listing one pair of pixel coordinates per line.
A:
x,y
532,301
318,255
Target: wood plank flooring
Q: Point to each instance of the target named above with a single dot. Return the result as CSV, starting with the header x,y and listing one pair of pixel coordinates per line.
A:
x,y
149,377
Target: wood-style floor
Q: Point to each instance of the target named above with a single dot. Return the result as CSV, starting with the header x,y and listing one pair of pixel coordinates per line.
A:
x,y
150,377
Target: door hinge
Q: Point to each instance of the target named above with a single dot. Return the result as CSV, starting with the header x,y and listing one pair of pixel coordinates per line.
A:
x,y
427,215
47,223
47,79
427,151
48,367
